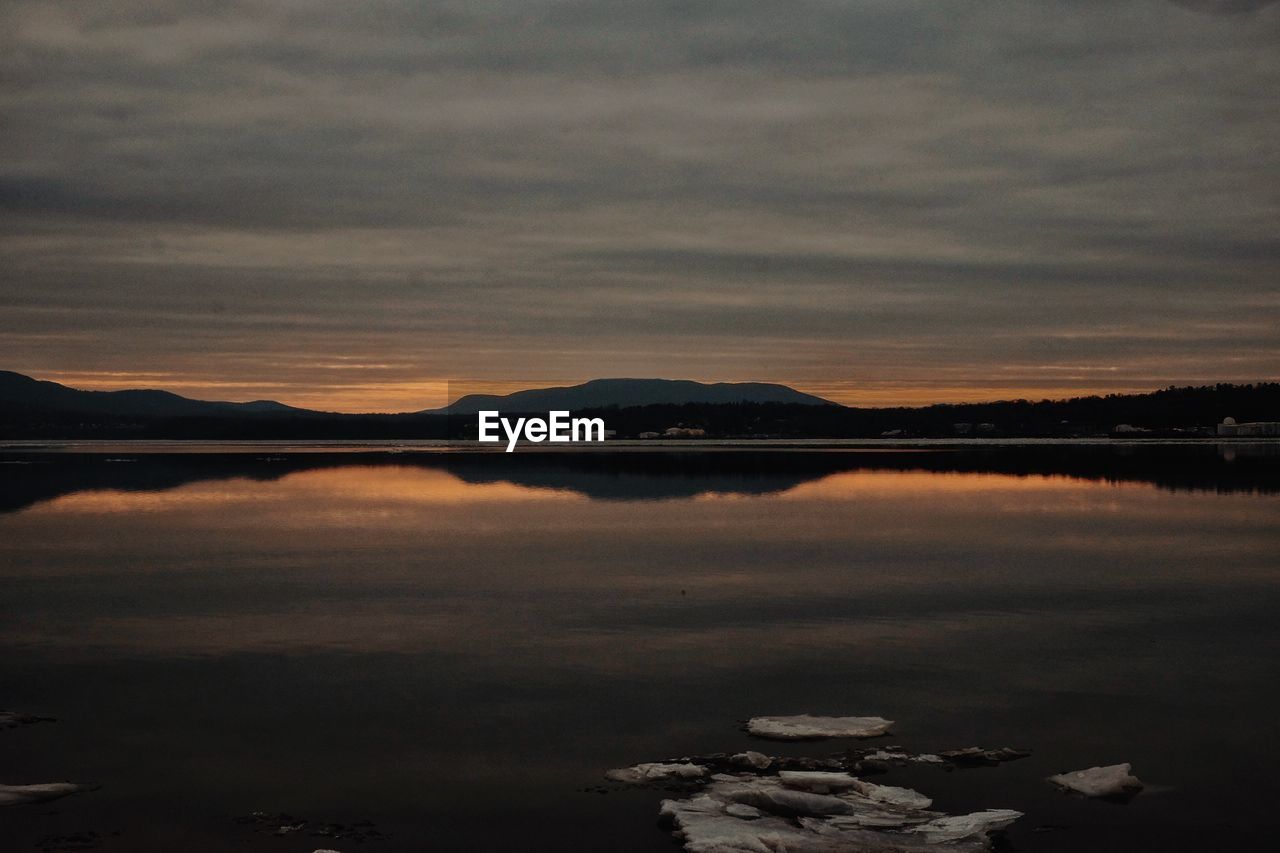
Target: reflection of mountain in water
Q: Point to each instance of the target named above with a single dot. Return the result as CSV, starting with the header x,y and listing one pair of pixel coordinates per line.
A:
x,y
653,475
29,478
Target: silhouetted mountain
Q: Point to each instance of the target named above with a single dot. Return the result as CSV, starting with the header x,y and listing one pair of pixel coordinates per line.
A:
x,y
624,393
45,410
22,393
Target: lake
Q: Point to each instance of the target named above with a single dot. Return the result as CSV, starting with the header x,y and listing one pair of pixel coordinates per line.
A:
x,y
455,646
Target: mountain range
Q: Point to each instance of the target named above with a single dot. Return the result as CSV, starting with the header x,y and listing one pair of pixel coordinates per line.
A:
x,y
32,409
23,393
604,393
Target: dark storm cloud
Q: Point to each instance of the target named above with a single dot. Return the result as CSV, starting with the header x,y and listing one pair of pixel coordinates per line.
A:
x,y
811,191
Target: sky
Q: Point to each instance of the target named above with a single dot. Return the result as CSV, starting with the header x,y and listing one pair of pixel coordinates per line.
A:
x,y
370,206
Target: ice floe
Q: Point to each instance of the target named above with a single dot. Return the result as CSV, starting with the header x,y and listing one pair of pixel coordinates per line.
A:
x,y
903,757
749,802
965,827
19,795
777,818
823,782
1114,780
806,727
978,755
751,758
645,774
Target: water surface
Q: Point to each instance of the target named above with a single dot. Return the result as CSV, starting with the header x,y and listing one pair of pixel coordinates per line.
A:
x,y
455,646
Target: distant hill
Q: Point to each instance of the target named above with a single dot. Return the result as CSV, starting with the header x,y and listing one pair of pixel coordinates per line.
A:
x,y
30,409
22,393
624,393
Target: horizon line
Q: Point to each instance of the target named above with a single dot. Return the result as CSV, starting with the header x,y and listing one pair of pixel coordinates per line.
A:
x,y
902,395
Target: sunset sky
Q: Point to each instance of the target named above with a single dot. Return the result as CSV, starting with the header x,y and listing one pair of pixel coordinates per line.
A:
x,y
345,205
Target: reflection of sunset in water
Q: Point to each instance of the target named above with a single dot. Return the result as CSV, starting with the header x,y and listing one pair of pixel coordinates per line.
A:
x,y
384,485
854,484
384,545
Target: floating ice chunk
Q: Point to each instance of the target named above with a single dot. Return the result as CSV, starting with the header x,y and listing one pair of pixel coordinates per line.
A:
x,y
716,822
820,782
948,830
889,795
978,755
642,774
1112,781
806,727
18,795
750,758
784,801
860,804
903,757
817,781
707,827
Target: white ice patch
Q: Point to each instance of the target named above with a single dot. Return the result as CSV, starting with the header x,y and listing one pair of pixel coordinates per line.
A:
x,y
925,758
806,727
18,795
1114,780
945,830
762,815
750,758
642,774
820,782
978,755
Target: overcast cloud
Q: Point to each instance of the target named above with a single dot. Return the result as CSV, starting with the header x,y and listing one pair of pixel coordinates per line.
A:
x,y
341,204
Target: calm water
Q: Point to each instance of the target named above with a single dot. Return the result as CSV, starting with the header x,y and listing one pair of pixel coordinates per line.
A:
x,y
453,645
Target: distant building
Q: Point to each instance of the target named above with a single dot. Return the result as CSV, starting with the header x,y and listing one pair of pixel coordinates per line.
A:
x,y
1255,429
1128,429
684,432
650,435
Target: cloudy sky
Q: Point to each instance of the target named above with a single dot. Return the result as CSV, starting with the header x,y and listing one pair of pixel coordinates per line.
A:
x,y
344,205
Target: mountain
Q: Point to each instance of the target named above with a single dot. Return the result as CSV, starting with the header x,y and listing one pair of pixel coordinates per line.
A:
x,y
22,393
35,410
603,393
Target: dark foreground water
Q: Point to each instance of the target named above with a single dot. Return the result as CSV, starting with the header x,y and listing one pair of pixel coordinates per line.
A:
x,y
453,646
